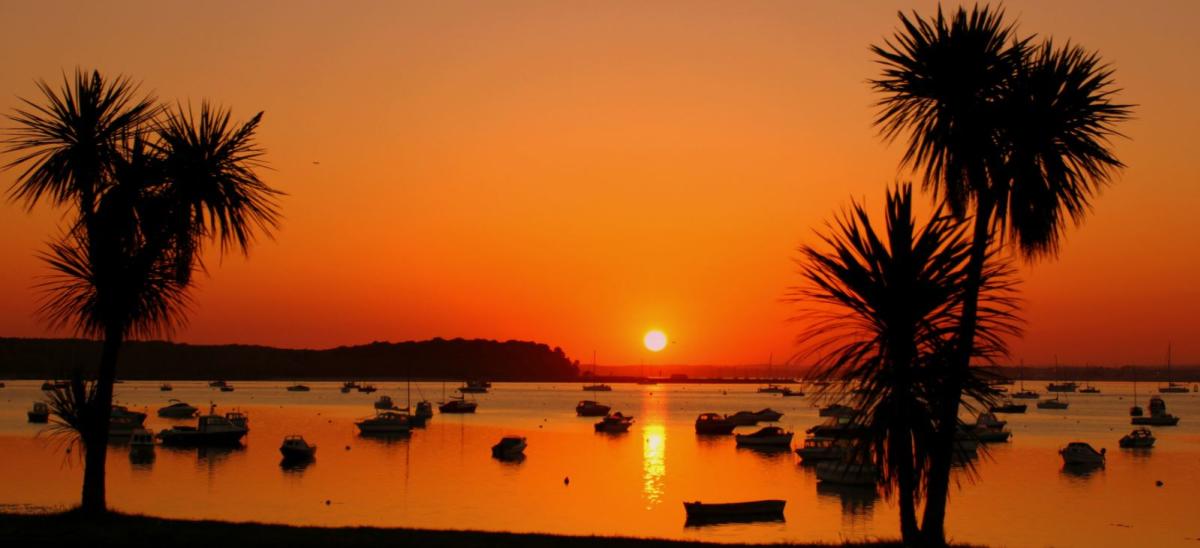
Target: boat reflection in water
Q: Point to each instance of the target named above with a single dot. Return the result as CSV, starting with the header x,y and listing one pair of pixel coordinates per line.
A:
x,y
857,501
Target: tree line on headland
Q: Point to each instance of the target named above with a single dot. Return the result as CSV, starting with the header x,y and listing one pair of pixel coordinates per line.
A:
x,y
438,358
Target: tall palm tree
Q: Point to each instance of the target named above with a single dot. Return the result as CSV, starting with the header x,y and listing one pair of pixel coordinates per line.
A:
x,y
148,187
1010,133
881,311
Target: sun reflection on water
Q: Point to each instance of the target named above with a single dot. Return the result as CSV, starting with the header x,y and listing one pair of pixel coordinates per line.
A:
x,y
654,463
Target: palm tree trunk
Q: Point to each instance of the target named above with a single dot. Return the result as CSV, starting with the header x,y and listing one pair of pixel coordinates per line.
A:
x,y
95,436
902,450
937,487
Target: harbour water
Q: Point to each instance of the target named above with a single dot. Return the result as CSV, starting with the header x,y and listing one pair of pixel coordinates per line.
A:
x,y
575,481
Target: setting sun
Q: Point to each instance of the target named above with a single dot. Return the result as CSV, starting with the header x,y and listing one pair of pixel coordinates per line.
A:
x,y
655,340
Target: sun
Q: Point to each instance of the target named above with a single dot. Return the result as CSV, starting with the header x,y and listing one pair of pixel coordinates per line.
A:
x,y
655,340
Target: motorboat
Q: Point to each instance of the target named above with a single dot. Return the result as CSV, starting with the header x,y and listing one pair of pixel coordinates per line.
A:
x,y
1078,453
771,389
457,404
367,388
1089,389
712,423
1062,387
590,408
509,447
757,510
177,410
1053,404
238,418
770,436
385,402
847,473
743,418
989,421
837,410
348,386
1158,415
475,387
295,448
599,387
1173,388
615,423
122,421
768,415
1026,395
210,429
837,427
385,422
1139,438
165,387
819,448
789,393
216,384
40,412
226,388
1009,407
298,388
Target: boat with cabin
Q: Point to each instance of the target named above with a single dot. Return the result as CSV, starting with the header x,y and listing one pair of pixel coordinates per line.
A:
x,y
509,447
1158,415
1139,438
210,430
122,421
475,387
385,402
177,410
39,413
1053,404
1080,453
712,423
457,404
820,448
590,408
295,448
845,472
165,387
1009,406
385,422
837,410
770,436
615,423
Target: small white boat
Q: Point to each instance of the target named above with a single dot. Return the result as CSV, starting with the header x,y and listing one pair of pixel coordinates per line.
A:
x,y
1078,452
39,413
295,448
385,422
177,410
847,473
771,436
1140,438
509,447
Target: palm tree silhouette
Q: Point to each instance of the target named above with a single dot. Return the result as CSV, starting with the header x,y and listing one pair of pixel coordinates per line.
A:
x,y
148,186
1011,133
881,312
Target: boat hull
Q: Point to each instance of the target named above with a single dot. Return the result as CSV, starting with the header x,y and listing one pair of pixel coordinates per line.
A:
x,y
38,418
784,440
842,473
758,510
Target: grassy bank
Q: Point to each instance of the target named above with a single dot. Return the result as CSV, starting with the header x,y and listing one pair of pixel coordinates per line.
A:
x,y
129,530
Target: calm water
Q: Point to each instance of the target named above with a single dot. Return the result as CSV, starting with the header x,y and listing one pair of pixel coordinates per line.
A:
x,y
443,476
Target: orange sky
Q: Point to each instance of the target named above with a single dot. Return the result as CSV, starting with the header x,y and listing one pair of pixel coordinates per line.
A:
x,y
579,172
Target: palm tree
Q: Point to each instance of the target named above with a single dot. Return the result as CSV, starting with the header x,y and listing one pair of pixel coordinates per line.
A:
x,y
148,186
881,311
1011,134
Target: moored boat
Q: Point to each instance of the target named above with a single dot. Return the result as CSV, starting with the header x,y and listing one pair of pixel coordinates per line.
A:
x,y
216,384
837,410
598,387
385,402
509,447
475,387
1026,395
177,410
39,413
847,473
367,388
122,422
819,448
1158,415
457,404
590,408
771,389
141,439
165,387
1053,404
385,422
1139,438
770,436
615,423
210,429
1061,386
294,447
1080,453
298,388
767,510
226,387
789,393
712,423
1009,407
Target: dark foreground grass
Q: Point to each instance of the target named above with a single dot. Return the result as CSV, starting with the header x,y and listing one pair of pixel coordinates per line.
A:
x,y
124,530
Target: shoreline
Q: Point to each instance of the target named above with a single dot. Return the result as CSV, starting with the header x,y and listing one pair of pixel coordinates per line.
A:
x,y
117,529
